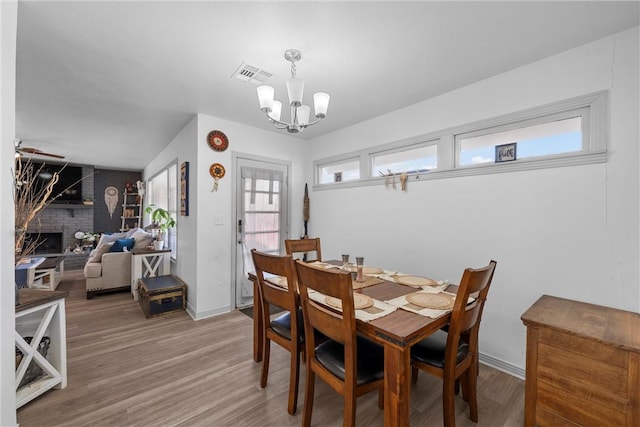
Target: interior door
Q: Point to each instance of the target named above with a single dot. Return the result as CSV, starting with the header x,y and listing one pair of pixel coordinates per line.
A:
x,y
261,217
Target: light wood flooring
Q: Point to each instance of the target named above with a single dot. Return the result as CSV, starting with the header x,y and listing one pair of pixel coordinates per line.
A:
x,y
125,370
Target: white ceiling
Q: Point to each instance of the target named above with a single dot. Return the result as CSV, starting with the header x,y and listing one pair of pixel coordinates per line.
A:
x,y
112,83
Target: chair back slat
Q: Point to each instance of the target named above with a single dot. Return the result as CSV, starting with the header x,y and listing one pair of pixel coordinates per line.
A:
x,y
304,246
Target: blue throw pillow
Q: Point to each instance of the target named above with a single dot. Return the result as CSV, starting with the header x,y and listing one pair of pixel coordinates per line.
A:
x,y
120,244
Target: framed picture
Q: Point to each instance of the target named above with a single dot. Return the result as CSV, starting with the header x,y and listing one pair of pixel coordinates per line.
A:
x,y
506,152
337,177
184,189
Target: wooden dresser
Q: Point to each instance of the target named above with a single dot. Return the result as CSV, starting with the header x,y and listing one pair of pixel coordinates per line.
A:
x,y
583,365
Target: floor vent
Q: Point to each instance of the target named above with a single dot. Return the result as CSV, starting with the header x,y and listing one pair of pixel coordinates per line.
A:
x,y
251,74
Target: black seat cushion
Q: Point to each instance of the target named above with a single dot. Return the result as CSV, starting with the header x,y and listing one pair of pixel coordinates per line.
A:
x,y
370,359
431,350
282,325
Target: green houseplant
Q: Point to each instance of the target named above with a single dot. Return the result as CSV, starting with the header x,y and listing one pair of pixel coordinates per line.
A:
x,y
161,221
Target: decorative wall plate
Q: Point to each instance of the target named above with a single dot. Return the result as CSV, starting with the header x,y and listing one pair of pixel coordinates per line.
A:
x,y
217,140
217,170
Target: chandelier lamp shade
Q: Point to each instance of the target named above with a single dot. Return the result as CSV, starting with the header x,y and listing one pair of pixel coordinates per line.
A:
x,y
295,89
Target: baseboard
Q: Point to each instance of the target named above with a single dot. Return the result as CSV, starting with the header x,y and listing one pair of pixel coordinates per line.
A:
x,y
208,313
503,366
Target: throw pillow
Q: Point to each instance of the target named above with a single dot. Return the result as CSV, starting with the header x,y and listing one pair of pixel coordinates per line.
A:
x,y
110,238
96,254
143,239
120,245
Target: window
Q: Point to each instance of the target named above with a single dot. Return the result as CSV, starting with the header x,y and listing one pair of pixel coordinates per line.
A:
x,y
412,160
162,191
345,170
552,137
565,133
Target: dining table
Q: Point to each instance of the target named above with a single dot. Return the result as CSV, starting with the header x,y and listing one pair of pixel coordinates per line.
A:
x,y
396,332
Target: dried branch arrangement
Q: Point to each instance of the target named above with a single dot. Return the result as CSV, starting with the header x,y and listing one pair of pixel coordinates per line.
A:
x,y
29,197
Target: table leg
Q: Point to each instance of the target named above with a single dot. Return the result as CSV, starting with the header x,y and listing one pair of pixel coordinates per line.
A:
x,y
257,324
397,382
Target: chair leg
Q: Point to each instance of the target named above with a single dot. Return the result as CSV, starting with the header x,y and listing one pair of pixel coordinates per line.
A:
x,y
414,375
349,419
472,391
294,380
266,349
309,390
381,397
448,402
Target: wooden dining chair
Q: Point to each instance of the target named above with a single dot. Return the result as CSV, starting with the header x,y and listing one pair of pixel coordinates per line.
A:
x,y
287,329
452,354
350,364
304,246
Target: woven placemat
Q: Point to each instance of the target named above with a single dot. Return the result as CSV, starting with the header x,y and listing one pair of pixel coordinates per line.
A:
x,y
368,281
367,269
434,301
360,301
415,281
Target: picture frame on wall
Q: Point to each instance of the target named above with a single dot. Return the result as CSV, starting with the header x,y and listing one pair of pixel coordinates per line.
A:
x,y
184,189
506,152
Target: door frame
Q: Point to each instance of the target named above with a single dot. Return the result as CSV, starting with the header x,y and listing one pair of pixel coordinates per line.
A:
x,y
286,209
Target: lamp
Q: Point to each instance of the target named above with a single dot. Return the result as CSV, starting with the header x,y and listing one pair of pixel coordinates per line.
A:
x,y
295,89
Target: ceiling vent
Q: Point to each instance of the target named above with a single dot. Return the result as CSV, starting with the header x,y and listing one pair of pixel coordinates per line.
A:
x,y
251,74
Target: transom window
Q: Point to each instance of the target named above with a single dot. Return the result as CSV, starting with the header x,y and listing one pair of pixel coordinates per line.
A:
x,y
570,132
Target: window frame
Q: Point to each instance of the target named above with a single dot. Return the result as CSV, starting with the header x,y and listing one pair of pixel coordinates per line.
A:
x,y
593,108
174,211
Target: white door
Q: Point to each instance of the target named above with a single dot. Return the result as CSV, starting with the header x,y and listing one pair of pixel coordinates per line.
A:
x,y
261,217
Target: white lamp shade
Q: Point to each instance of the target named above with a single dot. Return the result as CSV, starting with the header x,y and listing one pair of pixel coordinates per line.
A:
x,y
265,97
276,110
295,89
321,104
303,114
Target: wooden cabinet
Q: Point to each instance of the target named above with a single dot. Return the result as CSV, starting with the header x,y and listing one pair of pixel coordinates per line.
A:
x,y
583,364
131,211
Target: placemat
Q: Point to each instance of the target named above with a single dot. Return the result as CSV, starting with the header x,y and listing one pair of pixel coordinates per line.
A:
x,y
401,302
366,269
277,280
440,301
415,281
377,310
360,301
325,265
368,281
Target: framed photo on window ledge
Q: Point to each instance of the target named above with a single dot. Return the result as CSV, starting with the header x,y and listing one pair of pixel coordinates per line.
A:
x,y
184,189
506,152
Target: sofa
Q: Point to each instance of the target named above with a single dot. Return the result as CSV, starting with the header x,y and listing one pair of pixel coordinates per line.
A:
x,y
109,265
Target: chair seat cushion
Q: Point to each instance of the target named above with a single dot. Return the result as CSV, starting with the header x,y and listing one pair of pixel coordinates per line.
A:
x,y
370,359
431,350
282,325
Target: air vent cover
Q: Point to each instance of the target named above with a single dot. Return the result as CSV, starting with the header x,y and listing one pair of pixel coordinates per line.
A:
x,y
251,74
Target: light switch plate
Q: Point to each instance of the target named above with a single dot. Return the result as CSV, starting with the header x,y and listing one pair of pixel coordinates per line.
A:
x,y
219,220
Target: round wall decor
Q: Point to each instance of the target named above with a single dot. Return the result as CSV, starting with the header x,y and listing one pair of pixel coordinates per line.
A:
x,y
217,140
216,170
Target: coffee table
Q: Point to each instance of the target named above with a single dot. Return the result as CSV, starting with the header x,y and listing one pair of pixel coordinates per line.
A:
x,y
51,271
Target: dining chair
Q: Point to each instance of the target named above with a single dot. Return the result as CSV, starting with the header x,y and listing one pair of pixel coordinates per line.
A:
x,y
287,329
349,363
304,246
452,354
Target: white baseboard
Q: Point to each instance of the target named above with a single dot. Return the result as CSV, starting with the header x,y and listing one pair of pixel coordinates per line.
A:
x,y
503,366
208,313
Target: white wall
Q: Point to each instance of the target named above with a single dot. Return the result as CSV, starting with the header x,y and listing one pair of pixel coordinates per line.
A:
x,y
570,232
206,251
9,20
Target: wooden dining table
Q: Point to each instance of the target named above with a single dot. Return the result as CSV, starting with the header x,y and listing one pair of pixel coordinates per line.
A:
x,y
396,332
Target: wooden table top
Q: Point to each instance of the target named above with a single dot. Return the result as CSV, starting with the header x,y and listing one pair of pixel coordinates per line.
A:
x,y
50,263
34,297
607,325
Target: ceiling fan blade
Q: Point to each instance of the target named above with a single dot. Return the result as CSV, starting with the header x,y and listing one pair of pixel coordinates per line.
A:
x,y
37,152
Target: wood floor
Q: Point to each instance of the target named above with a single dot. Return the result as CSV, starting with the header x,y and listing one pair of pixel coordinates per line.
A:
x,y
125,370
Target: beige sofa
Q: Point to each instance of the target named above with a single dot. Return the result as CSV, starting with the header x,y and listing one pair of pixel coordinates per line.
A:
x,y
104,270
113,272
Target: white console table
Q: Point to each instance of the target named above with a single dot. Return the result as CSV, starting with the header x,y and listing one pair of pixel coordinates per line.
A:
x,y
41,312
148,263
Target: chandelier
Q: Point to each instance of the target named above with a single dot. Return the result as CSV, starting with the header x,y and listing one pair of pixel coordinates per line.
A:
x,y
295,88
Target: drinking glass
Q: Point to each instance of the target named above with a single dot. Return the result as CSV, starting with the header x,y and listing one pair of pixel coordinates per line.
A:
x,y
359,267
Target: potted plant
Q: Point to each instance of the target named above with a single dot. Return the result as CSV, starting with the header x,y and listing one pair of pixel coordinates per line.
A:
x,y
161,221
